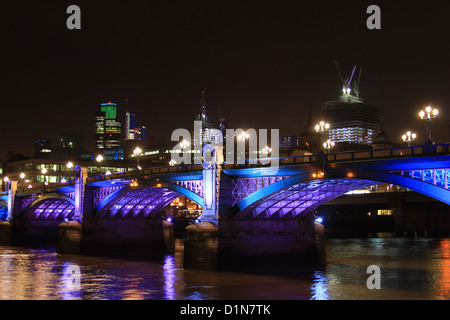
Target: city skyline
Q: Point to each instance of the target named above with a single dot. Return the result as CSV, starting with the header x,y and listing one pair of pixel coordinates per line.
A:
x,y
264,66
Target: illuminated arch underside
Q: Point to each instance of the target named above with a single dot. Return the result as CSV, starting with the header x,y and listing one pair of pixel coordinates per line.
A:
x,y
302,198
51,209
3,211
138,203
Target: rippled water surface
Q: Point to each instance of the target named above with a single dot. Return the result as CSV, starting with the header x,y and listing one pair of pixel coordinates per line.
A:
x,y
410,269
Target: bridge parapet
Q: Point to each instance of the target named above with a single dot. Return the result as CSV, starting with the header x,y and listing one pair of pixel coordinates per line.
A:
x,y
412,151
146,173
437,176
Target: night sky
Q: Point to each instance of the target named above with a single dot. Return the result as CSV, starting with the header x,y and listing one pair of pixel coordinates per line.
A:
x,y
265,63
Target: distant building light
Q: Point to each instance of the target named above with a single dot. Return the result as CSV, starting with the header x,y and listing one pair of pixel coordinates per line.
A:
x,y
362,191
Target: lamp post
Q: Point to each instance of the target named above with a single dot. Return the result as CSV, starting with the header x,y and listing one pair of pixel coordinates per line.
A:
x,y
428,114
266,150
69,166
44,171
22,176
244,135
99,160
6,179
328,145
184,144
241,149
408,137
137,152
321,127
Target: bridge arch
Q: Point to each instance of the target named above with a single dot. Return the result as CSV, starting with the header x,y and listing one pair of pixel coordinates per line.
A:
x,y
3,210
51,206
301,193
426,188
143,201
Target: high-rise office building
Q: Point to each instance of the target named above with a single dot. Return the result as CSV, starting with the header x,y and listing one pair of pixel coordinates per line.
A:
x,y
207,132
108,131
134,130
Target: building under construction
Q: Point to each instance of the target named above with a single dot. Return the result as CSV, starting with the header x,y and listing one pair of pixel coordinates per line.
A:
x,y
353,124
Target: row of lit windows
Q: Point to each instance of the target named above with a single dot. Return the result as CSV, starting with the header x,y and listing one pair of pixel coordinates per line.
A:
x,y
351,134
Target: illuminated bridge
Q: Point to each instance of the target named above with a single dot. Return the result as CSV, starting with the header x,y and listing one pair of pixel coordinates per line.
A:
x,y
248,208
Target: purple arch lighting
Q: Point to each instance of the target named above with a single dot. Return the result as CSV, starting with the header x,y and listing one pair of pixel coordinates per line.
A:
x,y
50,209
3,210
302,197
138,203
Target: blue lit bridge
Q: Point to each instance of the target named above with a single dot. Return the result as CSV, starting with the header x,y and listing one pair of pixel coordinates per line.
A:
x,y
248,209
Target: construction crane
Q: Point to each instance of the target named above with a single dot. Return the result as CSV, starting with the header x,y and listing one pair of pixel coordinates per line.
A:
x,y
347,83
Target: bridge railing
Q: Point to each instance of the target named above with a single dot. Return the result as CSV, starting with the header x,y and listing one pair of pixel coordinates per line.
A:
x,y
354,155
146,172
387,153
116,175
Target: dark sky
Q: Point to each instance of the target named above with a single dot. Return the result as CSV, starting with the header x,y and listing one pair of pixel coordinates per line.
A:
x,y
264,62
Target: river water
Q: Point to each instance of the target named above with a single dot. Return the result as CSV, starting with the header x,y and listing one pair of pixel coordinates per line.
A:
x,y
409,269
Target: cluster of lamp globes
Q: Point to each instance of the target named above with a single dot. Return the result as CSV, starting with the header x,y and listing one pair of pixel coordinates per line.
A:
x,y
427,114
321,127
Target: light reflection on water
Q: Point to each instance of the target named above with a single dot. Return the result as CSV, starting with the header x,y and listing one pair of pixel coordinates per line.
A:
x,y
410,269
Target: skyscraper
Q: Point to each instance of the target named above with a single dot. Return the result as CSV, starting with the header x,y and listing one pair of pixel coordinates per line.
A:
x,y
108,131
134,130
204,135
206,132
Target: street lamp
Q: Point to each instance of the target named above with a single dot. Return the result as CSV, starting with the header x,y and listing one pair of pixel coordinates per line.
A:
x,y
69,166
6,179
44,171
137,152
266,150
22,176
184,144
172,162
408,137
321,127
244,135
428,114
328,145
99,160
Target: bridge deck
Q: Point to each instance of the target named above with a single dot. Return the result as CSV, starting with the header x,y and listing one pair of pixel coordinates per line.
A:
x,y
413,157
